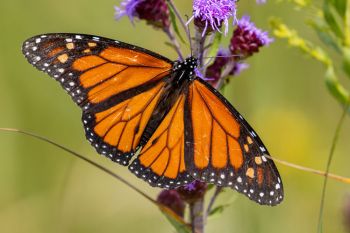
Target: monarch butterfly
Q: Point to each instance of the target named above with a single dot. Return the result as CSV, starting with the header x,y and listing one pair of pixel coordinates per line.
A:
x,y
136,102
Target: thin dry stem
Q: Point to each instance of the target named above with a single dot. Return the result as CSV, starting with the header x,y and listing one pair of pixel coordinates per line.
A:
x,y
197,215
106,170
174,41
212,200
311,170
330,158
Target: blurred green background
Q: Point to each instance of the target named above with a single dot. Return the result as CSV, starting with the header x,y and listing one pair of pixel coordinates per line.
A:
x,y
44,189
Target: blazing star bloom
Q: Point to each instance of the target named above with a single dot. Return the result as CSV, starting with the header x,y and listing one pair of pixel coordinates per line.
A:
x,y
172,200
193,191
213,13
155,12
222,60
247,38
238,68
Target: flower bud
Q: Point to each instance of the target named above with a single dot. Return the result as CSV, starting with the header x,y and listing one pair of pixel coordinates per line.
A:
x,y
172,200
247,38
224,60
154,12
193,191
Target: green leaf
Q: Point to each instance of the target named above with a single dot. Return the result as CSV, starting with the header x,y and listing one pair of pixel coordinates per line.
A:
x,y
340,6
170,45
347,26
346,61
210,186
176,221
335,88
215,45
215,212
324,34
331,19
174,24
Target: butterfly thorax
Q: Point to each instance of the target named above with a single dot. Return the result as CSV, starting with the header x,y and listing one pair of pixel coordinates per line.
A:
x,y
185,70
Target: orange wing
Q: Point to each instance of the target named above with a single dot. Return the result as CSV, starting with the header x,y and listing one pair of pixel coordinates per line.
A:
x,y
224,150
161,161
116,84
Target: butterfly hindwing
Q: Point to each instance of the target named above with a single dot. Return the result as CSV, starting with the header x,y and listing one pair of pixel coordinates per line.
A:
x,y
224,150
116,84
161,161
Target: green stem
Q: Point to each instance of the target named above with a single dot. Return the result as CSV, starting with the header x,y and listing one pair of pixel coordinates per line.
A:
x,y
330,158
178,15
212,200
109,172
176,44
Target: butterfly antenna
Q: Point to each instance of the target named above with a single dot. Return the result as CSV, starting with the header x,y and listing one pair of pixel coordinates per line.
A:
x,y
233,55
189,34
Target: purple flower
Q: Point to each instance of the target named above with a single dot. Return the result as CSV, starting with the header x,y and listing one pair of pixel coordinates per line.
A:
x,y
172,200
155,12
260,1
247,38
213,13
224,60
127,8
193,191
238,68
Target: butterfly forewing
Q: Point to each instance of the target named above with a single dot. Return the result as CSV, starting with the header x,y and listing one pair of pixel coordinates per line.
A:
x,y
116,84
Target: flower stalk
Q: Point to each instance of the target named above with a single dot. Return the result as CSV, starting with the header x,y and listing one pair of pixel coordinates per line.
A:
x,y
197,216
